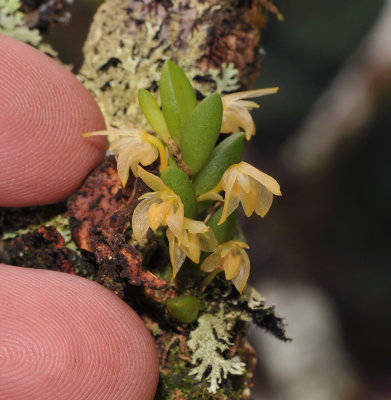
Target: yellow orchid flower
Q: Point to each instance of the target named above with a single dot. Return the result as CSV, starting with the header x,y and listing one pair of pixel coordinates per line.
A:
x,y
133,147
186,237
161,207
236,115
244,184
233,260
196,237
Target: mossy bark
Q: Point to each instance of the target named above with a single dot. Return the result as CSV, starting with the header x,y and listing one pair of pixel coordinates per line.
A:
x,y
215,42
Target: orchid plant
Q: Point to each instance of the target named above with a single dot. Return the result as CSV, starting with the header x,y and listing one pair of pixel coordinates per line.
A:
x,y
200,184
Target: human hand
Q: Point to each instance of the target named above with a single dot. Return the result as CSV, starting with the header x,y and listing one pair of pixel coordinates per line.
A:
x,y
62,336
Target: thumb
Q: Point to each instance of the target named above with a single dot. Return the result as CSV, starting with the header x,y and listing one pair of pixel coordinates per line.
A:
x,y
65,337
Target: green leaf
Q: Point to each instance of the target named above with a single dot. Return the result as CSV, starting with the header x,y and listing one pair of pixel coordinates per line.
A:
x,y
184,308
177,97
153,114
228,152
225,231
200,132
180,183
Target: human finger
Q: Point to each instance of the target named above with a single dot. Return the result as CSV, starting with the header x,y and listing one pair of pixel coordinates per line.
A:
x,y
65,337
44,110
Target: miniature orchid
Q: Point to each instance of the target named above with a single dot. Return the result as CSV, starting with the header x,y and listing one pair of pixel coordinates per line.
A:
x,y
196,237
244,184
161,207
133,147
236,115
233,260
186,237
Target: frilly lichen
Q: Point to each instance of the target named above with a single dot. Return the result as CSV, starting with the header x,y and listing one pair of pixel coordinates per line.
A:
x,y
208,343
227,79
12,23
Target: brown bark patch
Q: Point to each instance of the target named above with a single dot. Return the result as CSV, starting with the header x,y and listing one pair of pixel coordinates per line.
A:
x,y
100,214
42,249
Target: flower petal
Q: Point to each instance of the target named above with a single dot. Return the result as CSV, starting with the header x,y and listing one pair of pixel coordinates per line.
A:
x,y
212,195
231,200
177,256
244,182
157,214
208,241
211,262
251,199
232,265
175,219
152,181
240,280
124,160
140,223
237,118
193,250
266,180
249,94
265,200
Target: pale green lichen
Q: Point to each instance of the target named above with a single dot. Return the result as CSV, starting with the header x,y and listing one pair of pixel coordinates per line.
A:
x,y
252,298
12,23
208,342
227,80
127,45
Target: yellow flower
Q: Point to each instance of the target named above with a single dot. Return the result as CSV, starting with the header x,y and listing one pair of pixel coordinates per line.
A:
x,y
236,115
196,237
161,207
133,147
244,184
186,237
233,260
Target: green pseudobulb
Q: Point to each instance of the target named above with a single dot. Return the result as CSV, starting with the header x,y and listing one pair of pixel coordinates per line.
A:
x,y
228,152
177,97
200,132
180,183
184,308
225,231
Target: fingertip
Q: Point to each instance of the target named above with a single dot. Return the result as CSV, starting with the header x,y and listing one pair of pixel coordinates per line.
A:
x,y
67,337
44,110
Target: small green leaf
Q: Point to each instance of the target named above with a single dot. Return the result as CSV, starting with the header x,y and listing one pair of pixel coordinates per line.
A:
x,y
177,96
225,231
228,152
153,114
184,308
180,183
200,132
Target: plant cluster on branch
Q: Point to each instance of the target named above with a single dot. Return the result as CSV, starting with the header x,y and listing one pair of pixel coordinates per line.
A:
x,y
202,181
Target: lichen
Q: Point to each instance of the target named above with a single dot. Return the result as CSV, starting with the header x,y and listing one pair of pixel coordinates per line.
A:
x,y
209,342
12,23
128,43
227,79
254,308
